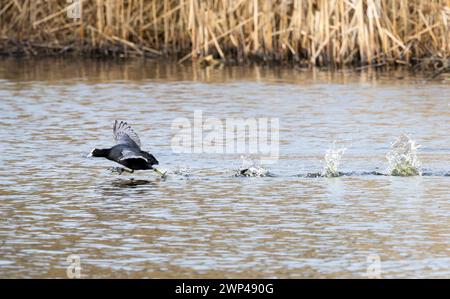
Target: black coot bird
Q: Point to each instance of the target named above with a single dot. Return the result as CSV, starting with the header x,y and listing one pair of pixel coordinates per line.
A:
x,y
127,151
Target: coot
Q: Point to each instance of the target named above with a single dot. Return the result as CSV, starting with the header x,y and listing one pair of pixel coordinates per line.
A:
x,y
127,150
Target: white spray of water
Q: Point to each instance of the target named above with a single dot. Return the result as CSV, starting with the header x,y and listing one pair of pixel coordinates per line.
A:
x,y
251,169
332,160
402,158
183,171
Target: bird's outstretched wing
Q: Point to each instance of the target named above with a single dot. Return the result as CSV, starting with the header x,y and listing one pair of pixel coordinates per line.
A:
x,y
127,154
124,134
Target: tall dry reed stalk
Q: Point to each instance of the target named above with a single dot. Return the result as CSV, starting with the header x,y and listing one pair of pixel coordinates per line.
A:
x,y
320,32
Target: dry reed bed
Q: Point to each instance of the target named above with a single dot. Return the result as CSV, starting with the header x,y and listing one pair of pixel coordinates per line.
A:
x,y
313,32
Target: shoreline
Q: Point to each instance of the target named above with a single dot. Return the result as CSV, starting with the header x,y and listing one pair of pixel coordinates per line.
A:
x,y
10,48
301,33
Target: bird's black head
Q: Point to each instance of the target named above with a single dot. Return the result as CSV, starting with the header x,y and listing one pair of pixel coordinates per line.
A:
x,y
97,152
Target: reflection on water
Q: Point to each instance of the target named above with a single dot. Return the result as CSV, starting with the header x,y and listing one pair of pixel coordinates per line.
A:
x,y
201,220
121,183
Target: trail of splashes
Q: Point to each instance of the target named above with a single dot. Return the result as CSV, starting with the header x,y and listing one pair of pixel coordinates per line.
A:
x,y
332,160
250,168
182,171
402,158
178,171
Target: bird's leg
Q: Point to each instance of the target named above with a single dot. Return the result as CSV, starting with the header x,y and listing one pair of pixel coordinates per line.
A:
x,y
128,170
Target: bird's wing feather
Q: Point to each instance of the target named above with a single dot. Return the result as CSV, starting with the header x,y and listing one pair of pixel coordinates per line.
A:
x,y
124,134
127,154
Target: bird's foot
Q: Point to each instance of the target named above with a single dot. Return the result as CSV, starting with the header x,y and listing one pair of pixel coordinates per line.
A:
x,y
116,170
160,172
120,170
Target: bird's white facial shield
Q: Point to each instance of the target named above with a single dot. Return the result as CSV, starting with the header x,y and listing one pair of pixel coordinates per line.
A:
x,y
90,155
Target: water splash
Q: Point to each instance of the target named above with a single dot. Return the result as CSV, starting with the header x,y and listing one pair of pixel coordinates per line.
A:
x,y
402,157
332,160
250,168
179,171
182,171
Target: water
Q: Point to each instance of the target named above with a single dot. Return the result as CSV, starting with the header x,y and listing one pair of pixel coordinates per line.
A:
x,y
202,220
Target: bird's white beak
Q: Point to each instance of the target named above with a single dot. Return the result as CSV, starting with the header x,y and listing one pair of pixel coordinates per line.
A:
x,y
90,154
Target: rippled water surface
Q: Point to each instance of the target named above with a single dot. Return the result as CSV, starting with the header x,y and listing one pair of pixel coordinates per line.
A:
x,y
202,220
